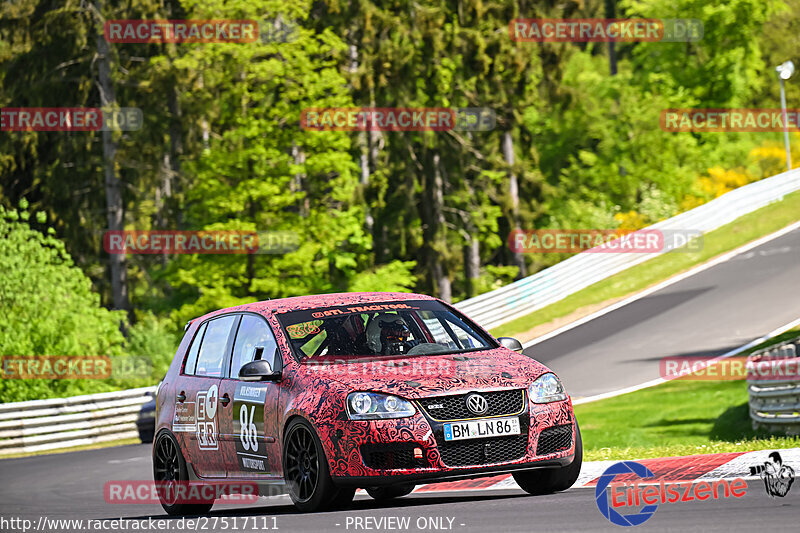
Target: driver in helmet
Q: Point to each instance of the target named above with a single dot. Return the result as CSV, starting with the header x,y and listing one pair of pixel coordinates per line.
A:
x,y
388,334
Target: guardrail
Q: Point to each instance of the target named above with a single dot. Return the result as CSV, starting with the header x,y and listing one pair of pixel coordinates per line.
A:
x,y
775,403
40,425
552,284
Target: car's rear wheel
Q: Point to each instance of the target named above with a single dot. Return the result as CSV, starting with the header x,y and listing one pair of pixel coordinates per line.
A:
x,y
306,471
548,480
390,492
172,477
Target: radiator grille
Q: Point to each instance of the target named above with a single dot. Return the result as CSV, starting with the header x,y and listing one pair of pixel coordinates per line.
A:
x,y
484,451
506,402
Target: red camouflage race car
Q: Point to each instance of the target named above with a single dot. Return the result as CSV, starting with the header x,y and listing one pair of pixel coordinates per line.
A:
x,y
320,395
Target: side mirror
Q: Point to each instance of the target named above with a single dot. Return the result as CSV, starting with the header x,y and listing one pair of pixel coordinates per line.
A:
x,y
511,343
259,371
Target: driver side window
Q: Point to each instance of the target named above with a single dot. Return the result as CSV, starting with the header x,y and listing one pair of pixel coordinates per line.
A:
x,y
254,340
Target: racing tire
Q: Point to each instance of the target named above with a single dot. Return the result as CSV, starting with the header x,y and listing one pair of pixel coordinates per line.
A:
x,y
391,492
306,471
169,469
549,480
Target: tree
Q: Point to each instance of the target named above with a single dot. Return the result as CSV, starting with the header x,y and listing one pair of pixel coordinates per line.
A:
x,y
47,306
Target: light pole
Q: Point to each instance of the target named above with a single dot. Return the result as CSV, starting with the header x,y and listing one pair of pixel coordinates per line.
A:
x,y
785,71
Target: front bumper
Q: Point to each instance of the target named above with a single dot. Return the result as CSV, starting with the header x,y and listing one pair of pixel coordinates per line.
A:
x,y
413,449
450,475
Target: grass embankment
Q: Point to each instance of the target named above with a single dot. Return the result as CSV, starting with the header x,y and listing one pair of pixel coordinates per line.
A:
x,y
745,229
680,417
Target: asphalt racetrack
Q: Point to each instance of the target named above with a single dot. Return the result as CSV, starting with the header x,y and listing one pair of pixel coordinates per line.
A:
x,y
708,314
70,486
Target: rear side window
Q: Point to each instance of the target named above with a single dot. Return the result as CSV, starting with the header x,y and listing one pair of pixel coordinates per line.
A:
x,y
254,340
211,359
191,359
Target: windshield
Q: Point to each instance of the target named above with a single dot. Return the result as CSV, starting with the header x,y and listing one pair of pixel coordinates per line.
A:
x,y
413,327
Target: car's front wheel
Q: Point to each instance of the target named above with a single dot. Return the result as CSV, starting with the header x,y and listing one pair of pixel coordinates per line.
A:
x,y
306,471
548,480
390,492
172,477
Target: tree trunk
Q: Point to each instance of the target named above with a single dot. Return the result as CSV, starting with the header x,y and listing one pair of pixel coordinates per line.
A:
x,y
472,264
299,157
432,215
205,128
369,159
114,205
369,147
172,183
250,270
513,191
612,53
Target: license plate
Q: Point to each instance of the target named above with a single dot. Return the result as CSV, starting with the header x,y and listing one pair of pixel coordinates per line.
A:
x,y
479,429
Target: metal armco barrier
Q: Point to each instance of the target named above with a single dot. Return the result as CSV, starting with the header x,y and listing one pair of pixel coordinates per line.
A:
x,y
40,425
552,284
774,387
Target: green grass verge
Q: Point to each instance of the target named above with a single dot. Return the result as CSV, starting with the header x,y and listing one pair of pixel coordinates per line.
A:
x,y
745,229
680,417
676,418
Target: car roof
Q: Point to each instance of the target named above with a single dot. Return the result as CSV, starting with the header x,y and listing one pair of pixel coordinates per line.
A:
x,y
296,303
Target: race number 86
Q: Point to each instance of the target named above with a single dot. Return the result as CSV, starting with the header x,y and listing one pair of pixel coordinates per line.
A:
x,y
249,433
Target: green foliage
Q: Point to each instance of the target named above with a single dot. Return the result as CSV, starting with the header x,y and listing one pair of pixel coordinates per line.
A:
x,y
47,307
46,303
394,277
155,341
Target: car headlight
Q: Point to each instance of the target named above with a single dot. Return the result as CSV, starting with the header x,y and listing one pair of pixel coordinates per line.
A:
x,y
547,388
374,406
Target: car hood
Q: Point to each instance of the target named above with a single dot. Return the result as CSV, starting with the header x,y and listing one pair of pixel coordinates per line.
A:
x,y
433,375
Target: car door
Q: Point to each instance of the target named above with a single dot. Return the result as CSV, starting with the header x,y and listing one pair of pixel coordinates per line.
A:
x,y
253,430
198,397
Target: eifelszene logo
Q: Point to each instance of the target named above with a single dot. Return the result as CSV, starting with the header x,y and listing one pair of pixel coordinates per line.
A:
x,y
778,477
633,494
601,494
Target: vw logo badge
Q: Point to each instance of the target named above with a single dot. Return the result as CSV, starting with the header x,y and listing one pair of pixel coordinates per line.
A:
x,y
477,404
